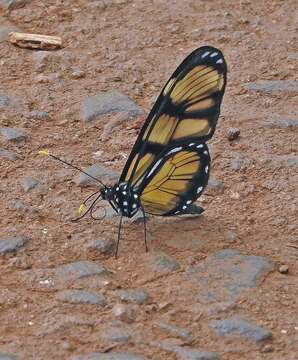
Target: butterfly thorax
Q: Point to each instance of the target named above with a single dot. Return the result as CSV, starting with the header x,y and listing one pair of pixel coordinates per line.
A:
x,y
123,198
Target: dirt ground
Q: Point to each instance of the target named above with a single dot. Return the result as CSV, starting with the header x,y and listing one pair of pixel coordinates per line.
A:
x,y
134,46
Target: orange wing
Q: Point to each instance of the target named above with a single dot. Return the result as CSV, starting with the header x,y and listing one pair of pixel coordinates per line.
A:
x,y
176,179
186,110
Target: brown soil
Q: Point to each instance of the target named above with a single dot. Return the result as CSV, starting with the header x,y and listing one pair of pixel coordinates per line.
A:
x,y
134,46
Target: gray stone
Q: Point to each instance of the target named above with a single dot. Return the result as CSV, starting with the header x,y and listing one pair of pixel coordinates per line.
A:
x,y
116,335
8,155
13,4
79,269
4,100
224,275
281,160
237,327
280,123
104,246
39,115
98,172
29,183
293,56
108,102
134,296
4,356
12,134
174,330
163,262
110,356
81,297
11,244
215,187
273,85
188,353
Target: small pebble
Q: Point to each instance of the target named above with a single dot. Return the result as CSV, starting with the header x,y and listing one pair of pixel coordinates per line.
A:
x,y
267,348
39,115
100,245
283,269
125,313
133,296
78,74
233,133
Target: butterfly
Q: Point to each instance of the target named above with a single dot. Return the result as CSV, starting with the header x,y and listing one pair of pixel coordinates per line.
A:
x,y
168,167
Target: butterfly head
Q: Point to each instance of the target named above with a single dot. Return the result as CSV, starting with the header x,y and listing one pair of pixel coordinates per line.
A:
x,y
123,198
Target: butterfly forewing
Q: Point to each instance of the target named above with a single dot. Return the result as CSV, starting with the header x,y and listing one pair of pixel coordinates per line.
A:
x,y
186,110
176,179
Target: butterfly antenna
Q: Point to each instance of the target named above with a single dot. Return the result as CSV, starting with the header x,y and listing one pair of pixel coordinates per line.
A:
x,y
118,240
47,153
90,208
145,229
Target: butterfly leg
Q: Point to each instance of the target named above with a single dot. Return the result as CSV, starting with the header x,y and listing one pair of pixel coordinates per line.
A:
x,y
145,229
118,240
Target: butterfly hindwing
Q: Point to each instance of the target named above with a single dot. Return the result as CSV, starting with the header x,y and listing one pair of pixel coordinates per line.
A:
x,y
176,179
186,110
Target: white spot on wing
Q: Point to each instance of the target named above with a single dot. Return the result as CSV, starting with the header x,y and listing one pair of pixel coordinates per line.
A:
x,y
135,196
199,146
125,203
124,192
134,206
205,54
199,189
206,152
184,207
214,54
174,150
188,202
191,144
219,61
117,188
206,169
154,167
